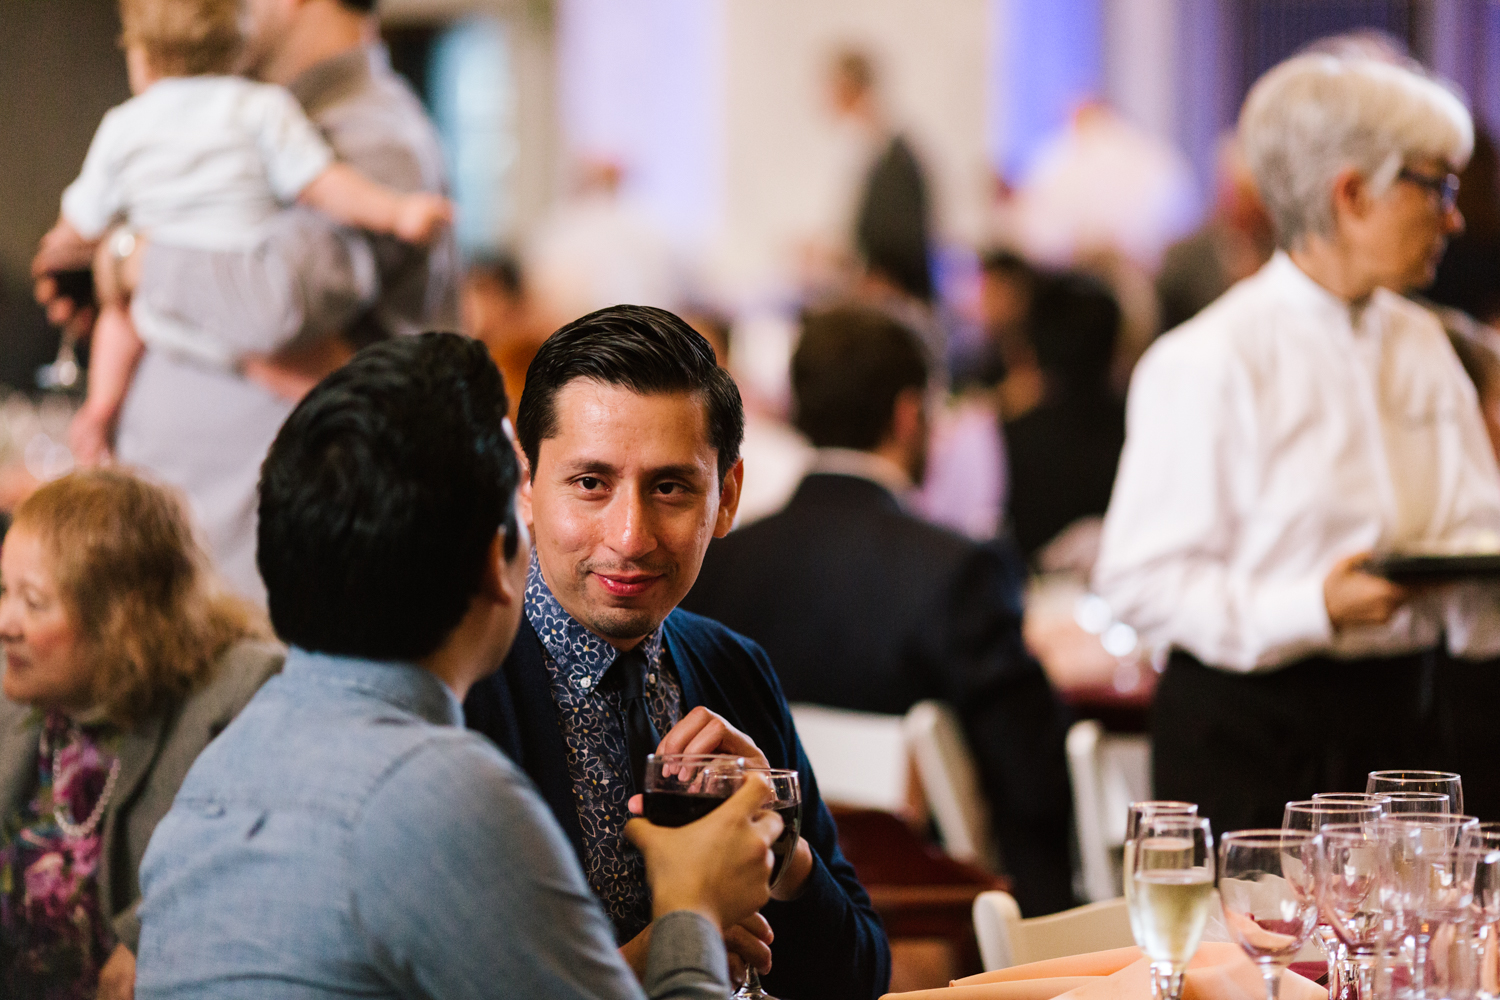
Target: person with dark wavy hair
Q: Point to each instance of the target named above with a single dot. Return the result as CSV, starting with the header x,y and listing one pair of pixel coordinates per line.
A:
x,y
631,433
346,835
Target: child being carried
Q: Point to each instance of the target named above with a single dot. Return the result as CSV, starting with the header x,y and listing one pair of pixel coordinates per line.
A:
x,y
202,158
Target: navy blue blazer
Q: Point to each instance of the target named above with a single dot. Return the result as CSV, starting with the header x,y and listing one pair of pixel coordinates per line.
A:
x,y
829,943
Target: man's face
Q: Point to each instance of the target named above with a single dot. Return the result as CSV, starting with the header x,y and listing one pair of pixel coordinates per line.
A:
x,y
623,502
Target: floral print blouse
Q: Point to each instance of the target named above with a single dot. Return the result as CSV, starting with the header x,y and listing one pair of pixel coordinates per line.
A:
x,y
53,937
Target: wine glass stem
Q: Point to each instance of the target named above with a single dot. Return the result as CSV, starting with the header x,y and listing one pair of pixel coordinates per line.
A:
x,y
1272,975
1166,980
1364,973
752,989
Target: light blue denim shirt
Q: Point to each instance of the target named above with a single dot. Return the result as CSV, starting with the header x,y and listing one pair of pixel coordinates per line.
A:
x,y
345,836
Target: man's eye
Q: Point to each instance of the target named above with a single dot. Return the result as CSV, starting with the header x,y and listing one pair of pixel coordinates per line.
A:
x,y
589,483
670,489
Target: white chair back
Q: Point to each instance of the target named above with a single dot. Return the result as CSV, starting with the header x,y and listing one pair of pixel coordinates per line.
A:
x,y
1005,939
1109,771
950,782
860,758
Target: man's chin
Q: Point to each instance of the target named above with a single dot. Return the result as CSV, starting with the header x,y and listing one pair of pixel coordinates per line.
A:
x,y
623,624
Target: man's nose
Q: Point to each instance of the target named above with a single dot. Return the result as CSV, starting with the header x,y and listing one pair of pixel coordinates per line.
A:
x,y
1453,221
631,532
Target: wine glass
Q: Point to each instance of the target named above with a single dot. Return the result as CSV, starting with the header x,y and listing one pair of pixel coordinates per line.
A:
x,y
1171,870
1381,799
786,790
1136,812
1314,814
681,788
1418,802
1348,895
1428,868
1268,890
1445,782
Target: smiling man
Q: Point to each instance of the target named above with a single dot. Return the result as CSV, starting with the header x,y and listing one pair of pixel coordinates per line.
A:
x,y
631,434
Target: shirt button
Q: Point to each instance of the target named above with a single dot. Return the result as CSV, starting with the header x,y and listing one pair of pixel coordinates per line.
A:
x,y
651,679
584,682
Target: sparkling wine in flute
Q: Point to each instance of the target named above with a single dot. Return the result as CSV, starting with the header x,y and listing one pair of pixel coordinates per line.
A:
x,y
1172,907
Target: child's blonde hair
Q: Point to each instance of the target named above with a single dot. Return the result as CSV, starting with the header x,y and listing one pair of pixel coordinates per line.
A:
x,y
184,37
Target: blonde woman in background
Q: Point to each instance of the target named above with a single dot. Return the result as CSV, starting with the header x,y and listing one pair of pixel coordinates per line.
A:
x,y
122,662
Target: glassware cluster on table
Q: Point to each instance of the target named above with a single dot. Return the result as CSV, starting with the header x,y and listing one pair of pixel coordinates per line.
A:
x,y
681,788
1397,885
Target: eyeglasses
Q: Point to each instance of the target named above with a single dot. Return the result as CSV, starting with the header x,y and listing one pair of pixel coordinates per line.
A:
x,y
1445,187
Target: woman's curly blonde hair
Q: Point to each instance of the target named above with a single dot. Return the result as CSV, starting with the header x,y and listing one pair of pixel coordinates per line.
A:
x,y
137,588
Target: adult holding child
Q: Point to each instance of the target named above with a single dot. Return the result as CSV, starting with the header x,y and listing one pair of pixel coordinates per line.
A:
x,y
286,309
121,663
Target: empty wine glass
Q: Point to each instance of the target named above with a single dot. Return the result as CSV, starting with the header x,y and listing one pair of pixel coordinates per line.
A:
x,y
1349,898
1315,814
1418,802
1269,893
1172,873
1446,782
1421,888
1381,799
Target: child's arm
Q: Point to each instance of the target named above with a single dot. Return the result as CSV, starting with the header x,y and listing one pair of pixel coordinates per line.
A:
x,y
353,199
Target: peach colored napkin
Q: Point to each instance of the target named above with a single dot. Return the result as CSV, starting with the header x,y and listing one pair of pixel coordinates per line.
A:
x,y
1218,972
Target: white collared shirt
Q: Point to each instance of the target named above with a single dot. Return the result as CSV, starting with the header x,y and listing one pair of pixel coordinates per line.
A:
x,y
864,465
1275,433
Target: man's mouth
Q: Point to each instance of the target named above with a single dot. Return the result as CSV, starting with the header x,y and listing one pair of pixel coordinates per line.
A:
x,y
626,584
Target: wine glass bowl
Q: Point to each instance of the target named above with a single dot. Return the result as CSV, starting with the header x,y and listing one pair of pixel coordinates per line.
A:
x,y
681,788
1171,874
1443,782
1267,885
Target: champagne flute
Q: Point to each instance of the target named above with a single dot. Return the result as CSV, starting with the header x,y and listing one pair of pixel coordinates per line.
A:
x,y
787,801
1348,895
1267,887
1314,814
1134,814
1172,871
1445,782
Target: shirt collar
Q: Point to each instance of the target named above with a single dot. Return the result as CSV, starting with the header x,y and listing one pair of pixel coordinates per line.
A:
x,y
1319,301
578,652
863,465
334,78
404,685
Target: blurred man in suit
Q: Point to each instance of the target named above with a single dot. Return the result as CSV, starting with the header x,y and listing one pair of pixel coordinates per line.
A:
x,y
863,606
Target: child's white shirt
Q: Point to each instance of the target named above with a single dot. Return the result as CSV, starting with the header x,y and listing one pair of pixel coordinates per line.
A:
x,y
199,161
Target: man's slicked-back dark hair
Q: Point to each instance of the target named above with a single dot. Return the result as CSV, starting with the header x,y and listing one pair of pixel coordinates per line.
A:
x,y
850,365
381,496
361,6
646,350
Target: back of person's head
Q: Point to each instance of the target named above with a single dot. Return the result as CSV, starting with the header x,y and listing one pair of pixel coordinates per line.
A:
x,y
641,348
150,618
850,365
500,271
184,37
381,496
1316,115
1075,321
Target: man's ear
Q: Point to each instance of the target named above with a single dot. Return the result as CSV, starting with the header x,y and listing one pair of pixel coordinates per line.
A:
x,y
1351,195
523,492
909,417
729,499
496,583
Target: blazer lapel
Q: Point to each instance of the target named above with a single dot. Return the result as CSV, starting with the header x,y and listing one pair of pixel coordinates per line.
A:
x,y
20,742
139,748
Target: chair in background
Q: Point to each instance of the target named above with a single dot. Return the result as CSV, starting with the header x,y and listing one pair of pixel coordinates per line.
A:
x,y
1108,771
860,758
1006,939
950,783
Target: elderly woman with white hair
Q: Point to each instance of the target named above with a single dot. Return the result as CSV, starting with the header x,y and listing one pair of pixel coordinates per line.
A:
x,y
1309,417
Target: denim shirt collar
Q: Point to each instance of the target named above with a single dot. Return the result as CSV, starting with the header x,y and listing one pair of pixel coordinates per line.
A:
x,y
581,655
404,685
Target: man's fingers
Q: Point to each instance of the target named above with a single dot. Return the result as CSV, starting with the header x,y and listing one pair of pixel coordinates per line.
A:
x,y
636,805
751,949
759,926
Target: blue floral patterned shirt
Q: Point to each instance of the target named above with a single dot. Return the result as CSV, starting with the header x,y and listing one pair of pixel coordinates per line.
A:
x,y
598,761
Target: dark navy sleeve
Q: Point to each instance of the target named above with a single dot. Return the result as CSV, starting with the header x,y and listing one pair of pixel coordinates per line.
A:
x,y
830,943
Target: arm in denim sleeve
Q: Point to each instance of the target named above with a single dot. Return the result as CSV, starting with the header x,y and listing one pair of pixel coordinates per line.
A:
x,y
495,894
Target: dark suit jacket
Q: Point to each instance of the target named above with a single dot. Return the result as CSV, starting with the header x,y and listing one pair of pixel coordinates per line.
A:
x,y
891,230
1063,456
154,758
862,606
829,942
